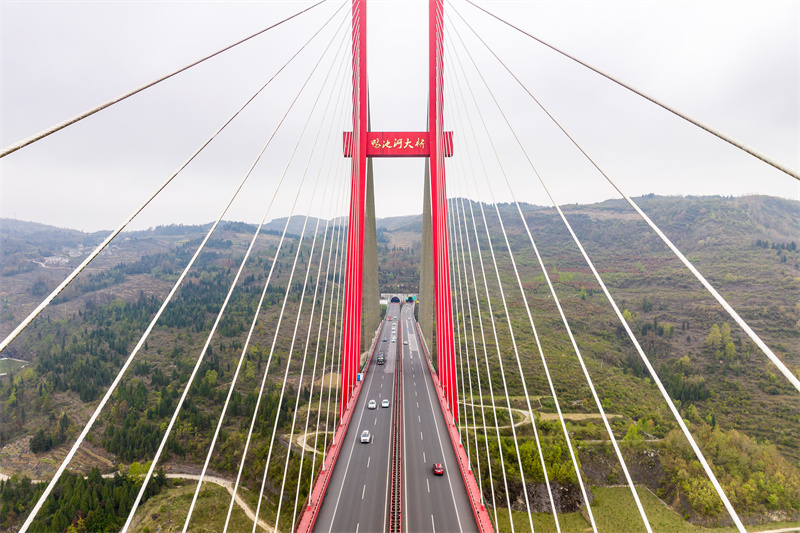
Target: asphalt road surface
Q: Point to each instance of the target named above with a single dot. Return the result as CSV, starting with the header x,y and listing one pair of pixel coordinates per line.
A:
x,y
430,503
357,499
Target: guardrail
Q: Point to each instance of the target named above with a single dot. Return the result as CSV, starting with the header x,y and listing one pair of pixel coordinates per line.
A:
x,y
482,518
314,499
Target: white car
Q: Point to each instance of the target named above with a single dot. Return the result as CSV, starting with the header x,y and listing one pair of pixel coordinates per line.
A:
x,y
372,404
405,342
385,403
365,436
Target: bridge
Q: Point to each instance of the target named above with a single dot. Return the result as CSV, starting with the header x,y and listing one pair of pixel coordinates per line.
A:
x,y
368,401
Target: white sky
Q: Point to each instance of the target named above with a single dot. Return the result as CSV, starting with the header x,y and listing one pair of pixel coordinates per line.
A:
x,y
732,65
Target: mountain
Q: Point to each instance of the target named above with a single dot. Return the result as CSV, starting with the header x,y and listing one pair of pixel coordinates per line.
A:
x,y
738,406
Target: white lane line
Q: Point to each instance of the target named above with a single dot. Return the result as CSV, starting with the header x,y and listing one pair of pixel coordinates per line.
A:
x,y
432,525
364,490
441,448
419,419
423,458
368,460
357,527
417,405
375,423
428,483
352,447
420,436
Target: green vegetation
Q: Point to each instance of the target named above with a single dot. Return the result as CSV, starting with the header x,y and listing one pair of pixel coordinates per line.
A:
x,y
741,409
77,504
168,510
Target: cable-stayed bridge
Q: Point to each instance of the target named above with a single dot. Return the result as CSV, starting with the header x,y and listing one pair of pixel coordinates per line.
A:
x,y
457,368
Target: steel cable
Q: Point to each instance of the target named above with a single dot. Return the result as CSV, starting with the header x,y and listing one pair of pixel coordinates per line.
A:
x,y
783,168
41,135
657,380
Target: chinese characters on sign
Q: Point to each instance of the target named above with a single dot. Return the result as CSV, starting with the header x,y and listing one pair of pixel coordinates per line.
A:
x,y
399,144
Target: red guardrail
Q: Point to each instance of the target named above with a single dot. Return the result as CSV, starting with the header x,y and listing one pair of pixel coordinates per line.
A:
x,y
482,518
314,500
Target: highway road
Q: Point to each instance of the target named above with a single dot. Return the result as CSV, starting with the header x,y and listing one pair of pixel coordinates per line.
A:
x,y
357,499
430,503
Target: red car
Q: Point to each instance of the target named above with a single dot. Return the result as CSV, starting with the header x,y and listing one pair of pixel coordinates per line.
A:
x,y
438,469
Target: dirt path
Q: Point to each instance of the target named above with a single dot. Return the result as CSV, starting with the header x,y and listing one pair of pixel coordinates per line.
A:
x,y
298,440
227,485
544,416
525,416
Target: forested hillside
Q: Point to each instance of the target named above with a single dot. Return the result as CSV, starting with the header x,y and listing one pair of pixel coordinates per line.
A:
x,y
742,411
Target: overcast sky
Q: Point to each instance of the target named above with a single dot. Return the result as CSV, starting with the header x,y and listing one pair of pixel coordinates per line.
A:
x,y
732,65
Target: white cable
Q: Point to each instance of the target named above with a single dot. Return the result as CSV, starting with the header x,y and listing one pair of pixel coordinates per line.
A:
x,y
478,371
530,317
613,439
316,356
308,335
783,168
338,229
337,333
456,217
283,306
11,336
455,269
200,360
646,361
750,333
488,372
25,142
513,342
138,346
299,386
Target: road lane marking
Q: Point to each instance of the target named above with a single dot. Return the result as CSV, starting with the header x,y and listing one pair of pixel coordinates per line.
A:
x,y
368,460
423,458
432,525
427,482
357,527
363,491
420,436
441,448
375,423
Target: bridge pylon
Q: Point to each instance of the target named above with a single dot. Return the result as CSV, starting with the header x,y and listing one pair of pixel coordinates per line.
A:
x,y
435,144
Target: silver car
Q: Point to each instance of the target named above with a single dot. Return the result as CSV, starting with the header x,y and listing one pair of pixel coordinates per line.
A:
x,y
365,436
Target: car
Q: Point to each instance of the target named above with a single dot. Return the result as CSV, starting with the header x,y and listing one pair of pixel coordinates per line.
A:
x,y
438,469
372,404
381,359
384,339
405,342
365,436
385,403
394,340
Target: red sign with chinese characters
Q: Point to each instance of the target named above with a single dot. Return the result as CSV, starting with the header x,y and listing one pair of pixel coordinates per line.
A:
x,y
398,144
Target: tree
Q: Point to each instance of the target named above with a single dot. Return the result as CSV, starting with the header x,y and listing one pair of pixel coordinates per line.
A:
x,y
725,331
714,339
730,352
627,315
